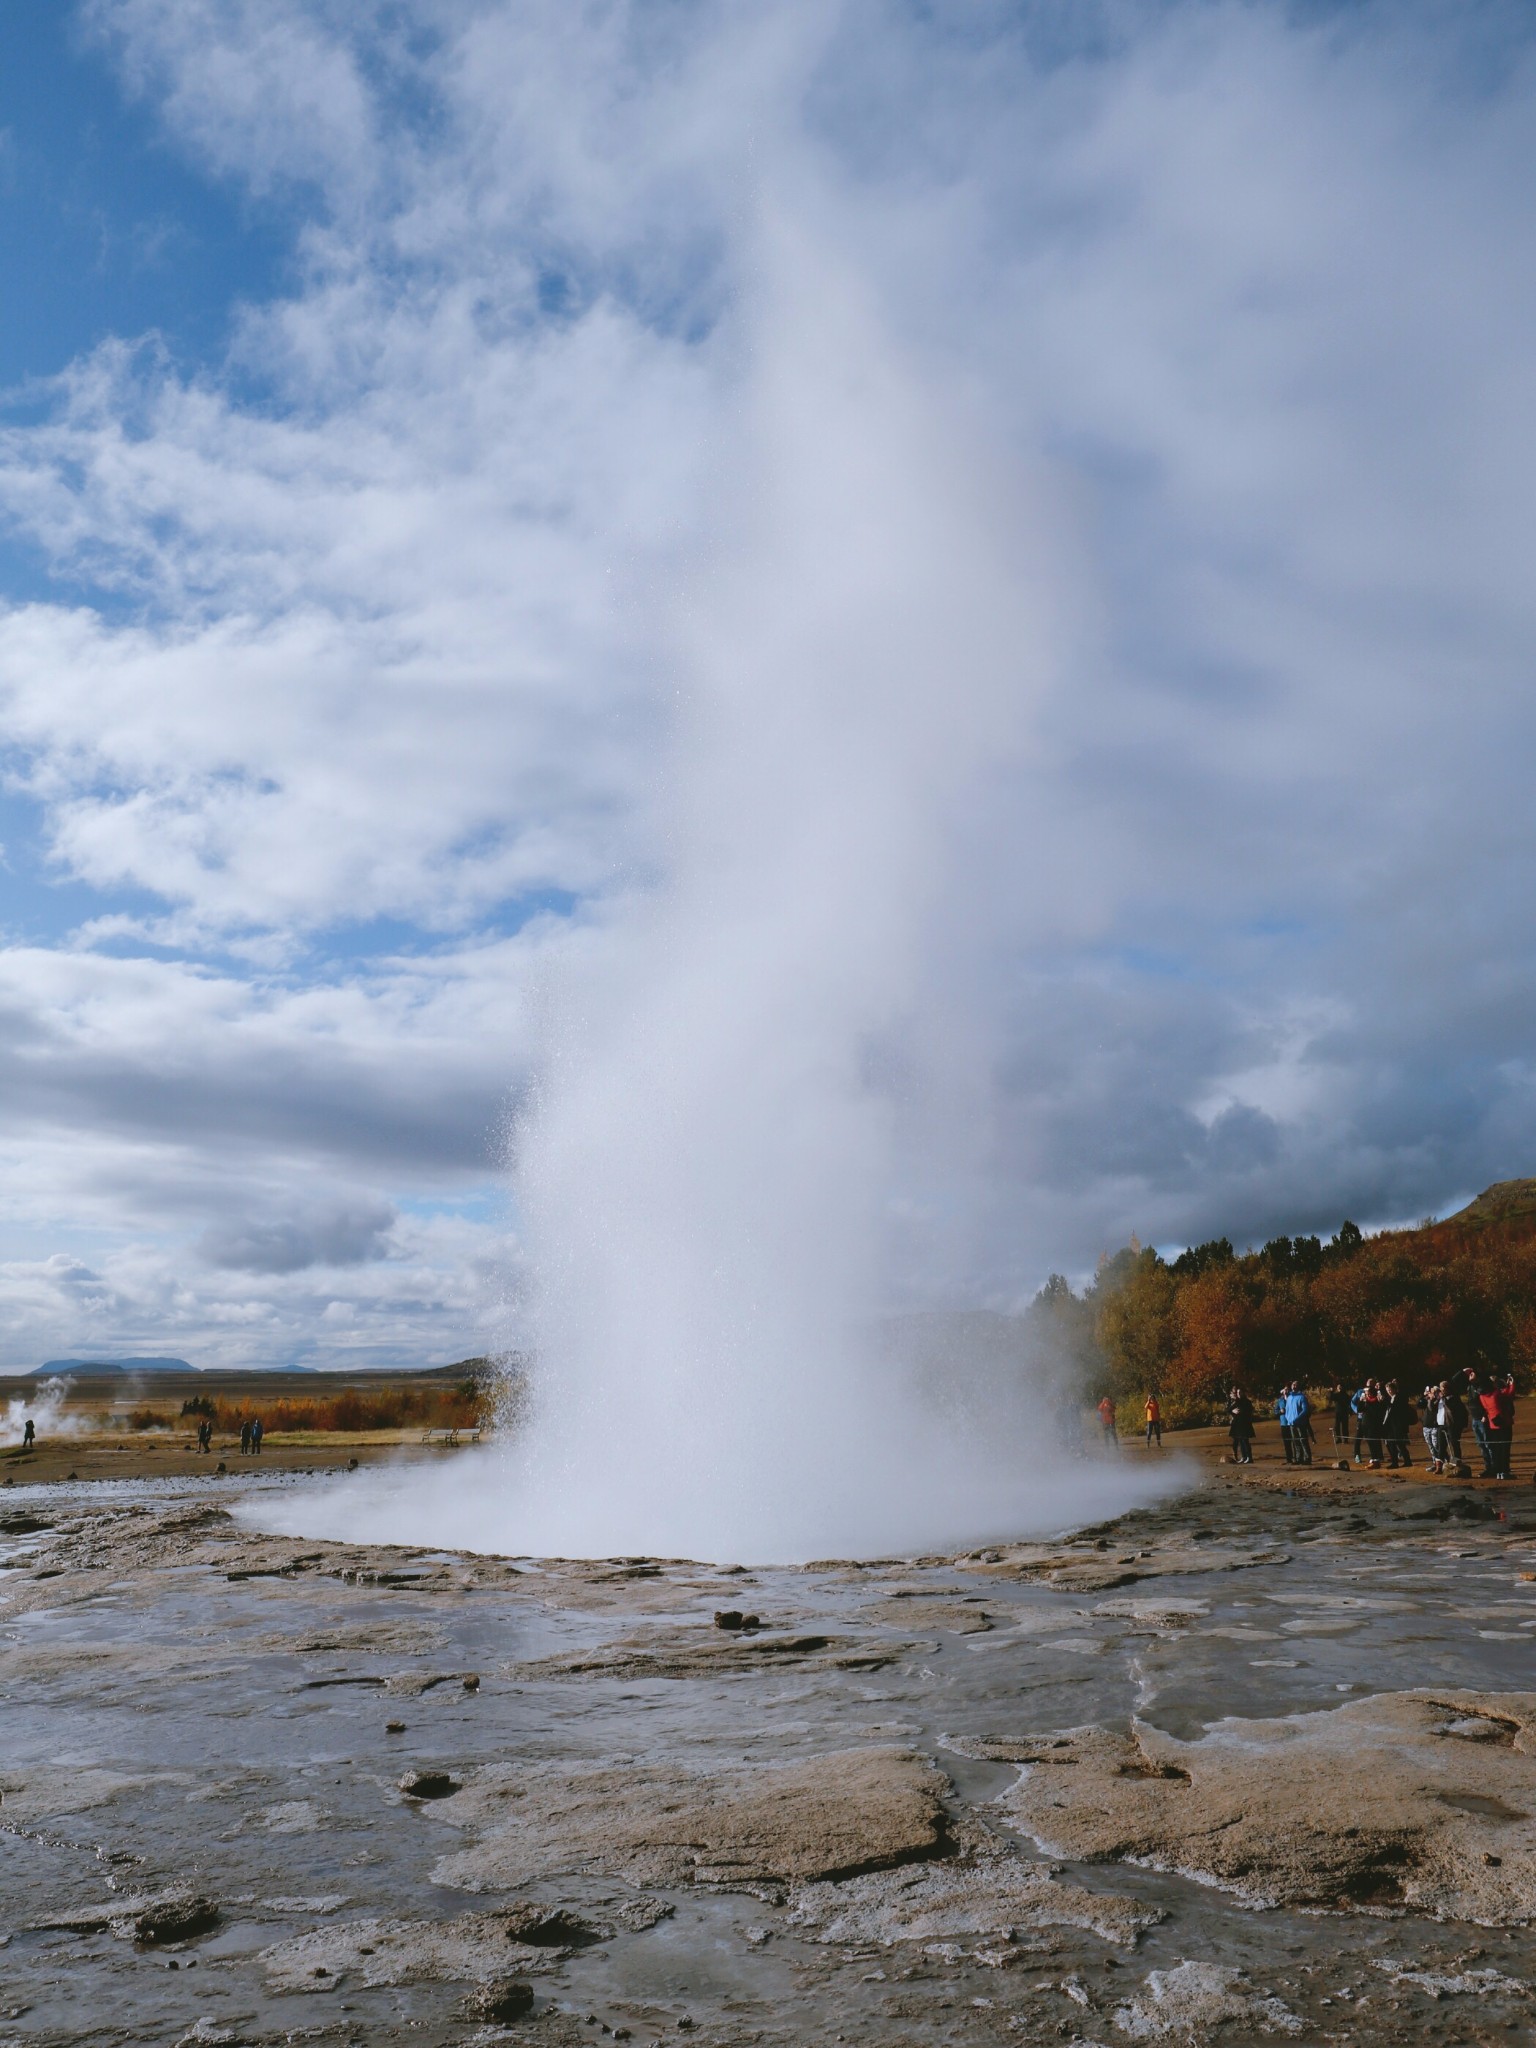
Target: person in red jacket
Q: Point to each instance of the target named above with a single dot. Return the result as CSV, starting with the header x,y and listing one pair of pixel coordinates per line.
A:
x,y
1498,1405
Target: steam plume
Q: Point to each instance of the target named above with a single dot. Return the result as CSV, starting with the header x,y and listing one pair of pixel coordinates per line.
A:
x,y
749,1068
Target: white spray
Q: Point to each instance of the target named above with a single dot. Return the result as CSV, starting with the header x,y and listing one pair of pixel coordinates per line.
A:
x,y
718,1147
45,1410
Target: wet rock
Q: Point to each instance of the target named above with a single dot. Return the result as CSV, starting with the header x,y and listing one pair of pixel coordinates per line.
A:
x,y
830,1816
375,1638
542,1926
1154,1616
1254,1806
428,1785
53,1792
292,1817
177,1918
475,1948
730,1617
1454,1983
1089,1570
991,1900
412,1684
503,1999
684,1653
1460,1507
471,1681
1193,1999
207,2032
965,1616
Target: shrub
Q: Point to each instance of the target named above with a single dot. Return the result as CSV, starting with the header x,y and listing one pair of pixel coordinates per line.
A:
x,y
358,1408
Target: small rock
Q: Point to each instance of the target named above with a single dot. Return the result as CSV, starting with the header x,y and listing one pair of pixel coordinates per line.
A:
x,y
351,1464
504,1998
207,2032
428,1784
728,1617
221,1466
685,2024
540,1926
394,1727
175,1920
471,1681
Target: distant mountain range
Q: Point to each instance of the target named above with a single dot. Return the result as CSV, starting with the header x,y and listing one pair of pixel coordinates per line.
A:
x,y
67,1365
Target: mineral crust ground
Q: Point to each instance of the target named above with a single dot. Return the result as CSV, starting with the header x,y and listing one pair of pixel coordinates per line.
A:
x,y
1257,1764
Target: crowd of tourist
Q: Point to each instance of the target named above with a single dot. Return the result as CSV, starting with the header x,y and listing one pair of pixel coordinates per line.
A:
x,y
1382,1415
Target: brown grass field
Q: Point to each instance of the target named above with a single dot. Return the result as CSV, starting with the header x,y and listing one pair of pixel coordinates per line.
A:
x,y
306,1420
115,1427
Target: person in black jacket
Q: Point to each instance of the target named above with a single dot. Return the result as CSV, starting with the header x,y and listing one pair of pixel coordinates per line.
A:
x,y
1339,1398
1240,1423
1472,1389
1372,1412
1455,1411
1402,1413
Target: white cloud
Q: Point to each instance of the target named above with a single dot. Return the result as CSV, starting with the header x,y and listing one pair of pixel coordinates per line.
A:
x,y
387,614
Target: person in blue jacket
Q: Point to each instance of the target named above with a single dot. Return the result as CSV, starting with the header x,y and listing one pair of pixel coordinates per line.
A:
x,y
1297,1421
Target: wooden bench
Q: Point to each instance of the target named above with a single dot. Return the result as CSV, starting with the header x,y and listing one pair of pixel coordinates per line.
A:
x,y
450,1436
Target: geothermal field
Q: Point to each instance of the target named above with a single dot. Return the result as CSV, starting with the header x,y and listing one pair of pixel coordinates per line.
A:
x,y
1258,1762
750,756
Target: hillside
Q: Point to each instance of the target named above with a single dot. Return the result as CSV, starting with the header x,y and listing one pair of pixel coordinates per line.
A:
x,y
1410,1304
1505,1202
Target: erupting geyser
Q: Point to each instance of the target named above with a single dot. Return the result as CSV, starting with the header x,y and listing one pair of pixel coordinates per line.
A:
x,y
759,1068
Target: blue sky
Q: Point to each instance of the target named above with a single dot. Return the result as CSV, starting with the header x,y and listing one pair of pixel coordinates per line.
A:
x,y
105,227
414,417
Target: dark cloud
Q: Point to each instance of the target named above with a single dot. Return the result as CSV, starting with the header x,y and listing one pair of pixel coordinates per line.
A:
x,y
339,1237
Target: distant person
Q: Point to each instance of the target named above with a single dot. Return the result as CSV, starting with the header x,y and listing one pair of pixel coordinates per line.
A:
x,y
1355,1400
1434,1440
1240,1425
1455,1419
1450,1420
1397,1424
1304,1422
1296,1422
1339,1401
1107,1421
245,1439
28,1434
1473,1389
1498,1401
1372,1413
1284,1420
256,1435
1154,1422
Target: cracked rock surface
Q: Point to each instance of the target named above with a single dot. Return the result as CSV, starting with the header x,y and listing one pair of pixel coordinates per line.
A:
x,y
1252,1765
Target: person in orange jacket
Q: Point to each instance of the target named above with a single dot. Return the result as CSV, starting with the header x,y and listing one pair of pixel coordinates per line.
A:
x,y
1154,1422
1107,1420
